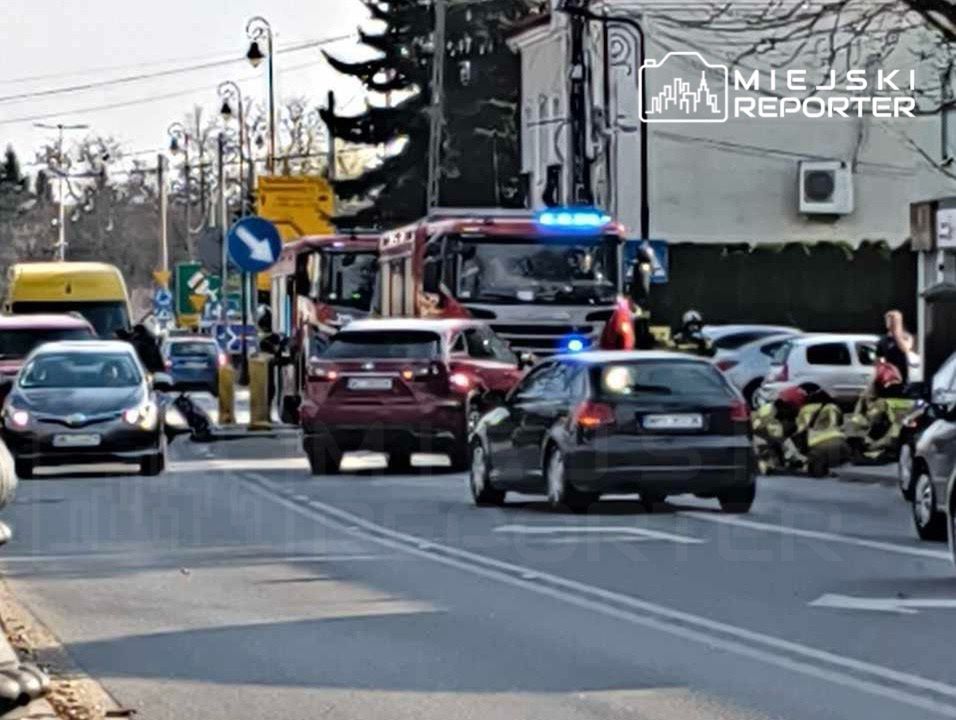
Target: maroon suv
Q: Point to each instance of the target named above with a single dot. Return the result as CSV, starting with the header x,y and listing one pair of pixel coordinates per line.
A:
x,y
403,386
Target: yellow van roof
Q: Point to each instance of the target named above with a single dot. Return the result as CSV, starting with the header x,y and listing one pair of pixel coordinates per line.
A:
x,y
45,281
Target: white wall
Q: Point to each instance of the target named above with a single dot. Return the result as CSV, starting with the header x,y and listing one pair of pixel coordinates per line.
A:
x,y
734,181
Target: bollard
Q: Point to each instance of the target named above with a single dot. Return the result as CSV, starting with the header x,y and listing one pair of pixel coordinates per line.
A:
x,y
227,395
259,392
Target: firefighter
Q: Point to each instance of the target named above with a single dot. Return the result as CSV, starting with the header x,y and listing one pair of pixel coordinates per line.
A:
x,y
819,442
690,337
873,430
772,424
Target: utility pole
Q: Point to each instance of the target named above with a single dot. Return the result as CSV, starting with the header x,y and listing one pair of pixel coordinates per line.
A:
x,y
330,104
581,193
163,210
438,106
60,251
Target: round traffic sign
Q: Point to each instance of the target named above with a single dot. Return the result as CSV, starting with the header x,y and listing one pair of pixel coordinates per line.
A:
x,y
254,244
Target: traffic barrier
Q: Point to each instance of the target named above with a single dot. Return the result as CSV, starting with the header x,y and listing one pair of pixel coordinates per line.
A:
x,y
259,392
227,395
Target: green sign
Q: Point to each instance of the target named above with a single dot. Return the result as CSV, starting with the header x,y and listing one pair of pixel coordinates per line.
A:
x,y
192,279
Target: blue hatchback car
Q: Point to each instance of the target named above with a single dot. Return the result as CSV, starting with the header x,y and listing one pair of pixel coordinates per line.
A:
x,y
193,363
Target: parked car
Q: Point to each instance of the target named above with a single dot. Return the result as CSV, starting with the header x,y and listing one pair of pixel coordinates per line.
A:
x,y
193,362
20,334
840,365
733,337
402,386
747,366
923,415
652,423
85,402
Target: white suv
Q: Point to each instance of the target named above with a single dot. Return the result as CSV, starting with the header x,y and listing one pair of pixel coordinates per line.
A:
x,y
840,365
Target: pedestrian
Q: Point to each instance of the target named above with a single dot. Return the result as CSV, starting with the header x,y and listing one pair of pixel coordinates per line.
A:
x,y
896,346
147,348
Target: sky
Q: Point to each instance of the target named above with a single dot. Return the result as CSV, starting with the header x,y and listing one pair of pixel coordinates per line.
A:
x,y
52,44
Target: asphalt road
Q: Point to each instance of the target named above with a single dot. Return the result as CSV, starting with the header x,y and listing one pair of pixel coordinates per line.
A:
x,y
237,586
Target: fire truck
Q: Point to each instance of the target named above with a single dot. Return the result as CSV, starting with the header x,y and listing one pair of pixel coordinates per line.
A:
x,y
545,281
319,284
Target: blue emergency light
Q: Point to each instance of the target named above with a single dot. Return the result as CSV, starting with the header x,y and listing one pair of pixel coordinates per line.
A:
x,y
574,344
573,219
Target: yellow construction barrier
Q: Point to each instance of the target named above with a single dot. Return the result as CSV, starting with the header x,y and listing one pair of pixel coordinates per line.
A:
x,y
259,392
227,395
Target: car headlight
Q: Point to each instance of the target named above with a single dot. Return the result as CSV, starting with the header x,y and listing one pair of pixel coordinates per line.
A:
x,y
143,415
16,418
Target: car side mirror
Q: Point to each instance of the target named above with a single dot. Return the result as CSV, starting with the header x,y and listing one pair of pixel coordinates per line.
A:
x,y
525,359
162,382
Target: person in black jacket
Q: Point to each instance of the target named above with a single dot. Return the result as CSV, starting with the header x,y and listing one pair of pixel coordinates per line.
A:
x,y
147,348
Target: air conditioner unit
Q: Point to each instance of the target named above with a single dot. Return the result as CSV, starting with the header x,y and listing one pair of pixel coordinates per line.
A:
x,y
826,187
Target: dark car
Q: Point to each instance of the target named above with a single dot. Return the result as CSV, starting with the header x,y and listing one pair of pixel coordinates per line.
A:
x,y
193,363
403,386
653,423
934,458
87,402
20,334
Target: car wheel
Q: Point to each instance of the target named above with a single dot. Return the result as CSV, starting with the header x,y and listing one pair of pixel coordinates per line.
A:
x,y
482,491
929,521
23,469
323,459
560,492
904,470
737,501
750,390
153,465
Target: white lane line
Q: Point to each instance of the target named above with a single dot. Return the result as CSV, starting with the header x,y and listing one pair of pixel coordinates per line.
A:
x,y
598,530
901,606
598,600
819,535
237,464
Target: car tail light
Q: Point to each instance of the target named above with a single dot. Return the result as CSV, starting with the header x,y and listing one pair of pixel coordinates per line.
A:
x,y
20,418
591,415
408,374
222,360
459,381
168,363
739,412
318,372
725,365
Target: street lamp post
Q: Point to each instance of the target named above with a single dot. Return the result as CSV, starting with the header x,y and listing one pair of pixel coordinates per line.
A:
x,y
229,90
179,142
256,29
61,222
636,26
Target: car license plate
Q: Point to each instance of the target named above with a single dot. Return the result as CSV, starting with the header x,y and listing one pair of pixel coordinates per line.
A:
x,y
78,440
370,383
194,366
682,421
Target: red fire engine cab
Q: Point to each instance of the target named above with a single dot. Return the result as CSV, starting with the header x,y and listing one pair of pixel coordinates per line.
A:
x,y
546,281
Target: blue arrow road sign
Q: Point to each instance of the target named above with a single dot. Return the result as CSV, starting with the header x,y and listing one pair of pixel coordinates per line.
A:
x,y
254,244
162,299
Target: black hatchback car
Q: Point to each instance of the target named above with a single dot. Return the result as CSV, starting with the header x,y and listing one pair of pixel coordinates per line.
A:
x,y
653,423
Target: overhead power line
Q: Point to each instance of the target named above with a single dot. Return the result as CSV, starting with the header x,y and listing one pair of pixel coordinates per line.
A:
x,y
162,73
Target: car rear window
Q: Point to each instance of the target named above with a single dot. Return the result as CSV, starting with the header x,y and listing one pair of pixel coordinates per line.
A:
x,y
20,343
736,340
180,349
829,354
663,378
398,345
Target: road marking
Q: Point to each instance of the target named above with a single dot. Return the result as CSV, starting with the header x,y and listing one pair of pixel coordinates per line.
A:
x,y
902,606
712,633
598,530
237,464
820,535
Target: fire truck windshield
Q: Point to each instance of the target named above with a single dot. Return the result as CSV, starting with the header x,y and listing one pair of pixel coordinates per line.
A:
x,y
571,270
348,279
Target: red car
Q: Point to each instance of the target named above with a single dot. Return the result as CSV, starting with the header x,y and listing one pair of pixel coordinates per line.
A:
x,y
20,334
403,386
